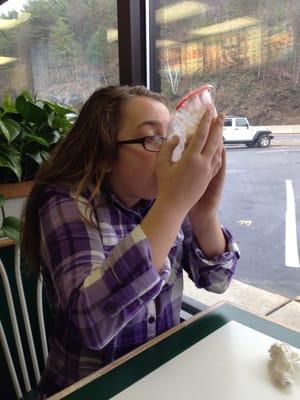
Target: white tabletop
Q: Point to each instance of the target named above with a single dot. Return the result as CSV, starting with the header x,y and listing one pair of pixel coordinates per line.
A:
x,y
232,363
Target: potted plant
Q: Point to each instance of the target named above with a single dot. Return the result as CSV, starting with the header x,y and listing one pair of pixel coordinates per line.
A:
x,y
29,129
9,226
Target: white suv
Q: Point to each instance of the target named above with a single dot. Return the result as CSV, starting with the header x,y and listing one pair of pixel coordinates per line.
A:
x,y
237,130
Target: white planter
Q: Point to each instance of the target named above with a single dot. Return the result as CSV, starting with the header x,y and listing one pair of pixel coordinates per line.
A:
x,y
14,207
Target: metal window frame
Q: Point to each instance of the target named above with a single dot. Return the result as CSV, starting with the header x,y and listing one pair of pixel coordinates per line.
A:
x,y
137,34
154,34
132,42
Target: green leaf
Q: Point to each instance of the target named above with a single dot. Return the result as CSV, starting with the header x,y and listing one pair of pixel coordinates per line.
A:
x,y
14,116
36,156
50,119
4,131
30,111
72,117
13,222
37,139
58,108
27,95
61,123
11,158
11,228
52,137
8,104
26,130
17,170
12,128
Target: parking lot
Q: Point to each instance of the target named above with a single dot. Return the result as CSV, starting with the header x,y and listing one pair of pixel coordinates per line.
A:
x,y
257,191
255,204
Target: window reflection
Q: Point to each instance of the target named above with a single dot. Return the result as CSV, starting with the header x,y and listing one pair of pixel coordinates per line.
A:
x,y
58,50
250,50
202,40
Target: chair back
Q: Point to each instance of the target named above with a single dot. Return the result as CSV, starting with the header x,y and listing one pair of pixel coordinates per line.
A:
x,y
23,341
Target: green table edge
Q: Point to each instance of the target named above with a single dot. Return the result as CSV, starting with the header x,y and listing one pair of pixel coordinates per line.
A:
x,y
128,373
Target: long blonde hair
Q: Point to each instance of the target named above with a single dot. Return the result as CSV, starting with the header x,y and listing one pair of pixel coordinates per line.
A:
x,y
82,158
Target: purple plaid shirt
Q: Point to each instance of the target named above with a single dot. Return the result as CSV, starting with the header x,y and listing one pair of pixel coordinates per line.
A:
x,y
106,295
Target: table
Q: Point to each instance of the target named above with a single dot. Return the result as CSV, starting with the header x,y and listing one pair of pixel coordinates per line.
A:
x,y
151,365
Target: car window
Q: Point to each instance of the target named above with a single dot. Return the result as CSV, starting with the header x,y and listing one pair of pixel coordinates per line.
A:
x,y
241,122
228,122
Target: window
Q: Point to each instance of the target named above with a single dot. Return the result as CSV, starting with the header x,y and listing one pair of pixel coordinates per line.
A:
x,y
250,51
61,51
228,122
241,122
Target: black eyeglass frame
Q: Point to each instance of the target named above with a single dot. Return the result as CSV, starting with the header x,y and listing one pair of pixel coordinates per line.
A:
x,y
142,141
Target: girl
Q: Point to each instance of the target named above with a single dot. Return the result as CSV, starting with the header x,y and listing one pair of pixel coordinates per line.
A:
x,y
112,222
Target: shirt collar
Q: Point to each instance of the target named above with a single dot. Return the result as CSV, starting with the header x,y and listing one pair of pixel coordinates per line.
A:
x,y
141,207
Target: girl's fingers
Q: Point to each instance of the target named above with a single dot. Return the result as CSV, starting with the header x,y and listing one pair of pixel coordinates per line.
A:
x,y
216,161
198,140
222,164
215,137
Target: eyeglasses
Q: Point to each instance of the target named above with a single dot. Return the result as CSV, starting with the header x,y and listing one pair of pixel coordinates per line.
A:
x,y
150,143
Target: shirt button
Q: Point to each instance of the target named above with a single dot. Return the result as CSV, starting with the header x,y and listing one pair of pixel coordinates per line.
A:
x,y
110,307
151,319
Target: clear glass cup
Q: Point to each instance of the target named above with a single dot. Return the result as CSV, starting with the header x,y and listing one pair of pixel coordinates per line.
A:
x,y
188,114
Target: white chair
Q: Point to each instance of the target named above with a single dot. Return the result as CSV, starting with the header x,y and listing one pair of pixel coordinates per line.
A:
x,y
19,341
24,346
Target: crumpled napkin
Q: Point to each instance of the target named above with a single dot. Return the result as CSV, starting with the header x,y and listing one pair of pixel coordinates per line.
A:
x,y
184,124
286,362
188,114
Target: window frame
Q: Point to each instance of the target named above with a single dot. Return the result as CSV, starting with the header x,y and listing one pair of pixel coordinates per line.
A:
x,y
132,42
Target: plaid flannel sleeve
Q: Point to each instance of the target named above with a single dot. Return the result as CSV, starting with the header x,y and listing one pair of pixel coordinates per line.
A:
x,y
98,293
212,274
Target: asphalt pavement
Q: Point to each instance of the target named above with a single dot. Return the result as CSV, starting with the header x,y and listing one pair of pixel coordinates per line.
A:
x,y
285,140
254,208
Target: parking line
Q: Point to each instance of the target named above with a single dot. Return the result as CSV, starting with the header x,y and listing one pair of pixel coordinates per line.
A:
x,y
291,246
283,149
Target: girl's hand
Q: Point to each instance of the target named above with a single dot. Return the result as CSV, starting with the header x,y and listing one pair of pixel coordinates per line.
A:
x,y
190,183
203,215
184,183
207,206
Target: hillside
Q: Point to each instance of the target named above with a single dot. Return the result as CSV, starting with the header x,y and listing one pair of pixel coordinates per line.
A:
x,y
273,100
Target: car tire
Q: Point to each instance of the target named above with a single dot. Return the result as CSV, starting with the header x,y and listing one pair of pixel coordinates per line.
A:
x,y
263,140
250,144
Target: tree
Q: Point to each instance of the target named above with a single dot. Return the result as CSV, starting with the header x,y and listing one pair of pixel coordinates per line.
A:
x,y
171,70
62,40
10,15
44,14
84,16
97,48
